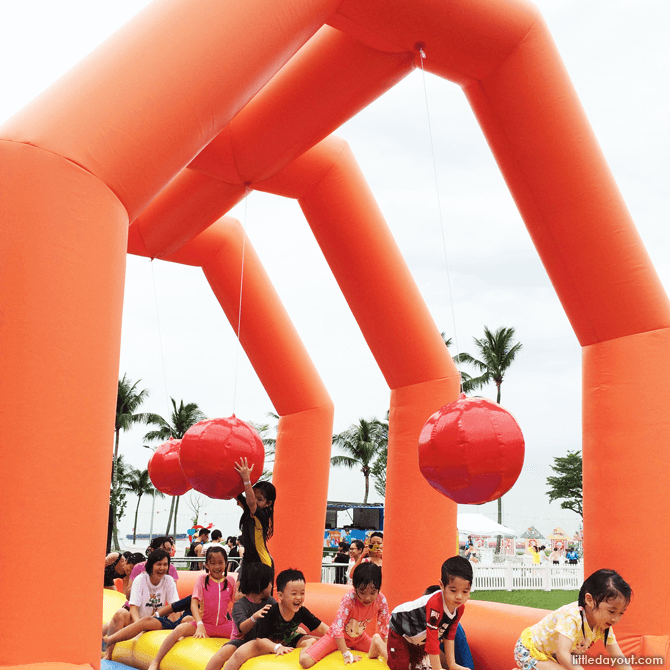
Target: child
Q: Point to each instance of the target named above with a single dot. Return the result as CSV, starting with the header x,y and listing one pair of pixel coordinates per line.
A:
x,y
572,629
357,609
256,523
150,591
462,653
256,583
277,632
212,594
418,627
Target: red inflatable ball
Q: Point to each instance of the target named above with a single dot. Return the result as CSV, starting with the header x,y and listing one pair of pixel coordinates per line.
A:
x,y
209,451
471,450
165,472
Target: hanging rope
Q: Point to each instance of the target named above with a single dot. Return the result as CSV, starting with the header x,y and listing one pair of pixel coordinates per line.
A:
x,y
422,56
247,190
160,339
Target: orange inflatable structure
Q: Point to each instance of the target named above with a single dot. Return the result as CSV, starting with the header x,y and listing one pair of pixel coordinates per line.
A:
x,y
143,148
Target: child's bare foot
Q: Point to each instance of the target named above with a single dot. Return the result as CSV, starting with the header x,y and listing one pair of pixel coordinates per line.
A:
x,y
377,648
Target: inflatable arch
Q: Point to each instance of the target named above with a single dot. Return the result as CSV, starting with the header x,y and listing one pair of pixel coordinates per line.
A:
x,y
167,148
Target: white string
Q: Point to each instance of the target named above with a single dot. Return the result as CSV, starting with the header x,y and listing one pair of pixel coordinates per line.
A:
x,y
160,339
239,311
422,55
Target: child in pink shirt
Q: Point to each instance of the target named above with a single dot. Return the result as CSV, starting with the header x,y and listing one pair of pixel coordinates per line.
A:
x,y
212,595
356,611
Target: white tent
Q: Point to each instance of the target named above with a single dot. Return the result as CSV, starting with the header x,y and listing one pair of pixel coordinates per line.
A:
x,y
478,524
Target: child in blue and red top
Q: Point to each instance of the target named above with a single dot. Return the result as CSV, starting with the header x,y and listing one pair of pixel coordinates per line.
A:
x,y
357,609
213,594
418,627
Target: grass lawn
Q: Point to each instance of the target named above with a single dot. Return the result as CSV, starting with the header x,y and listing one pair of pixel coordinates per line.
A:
x,y
548,600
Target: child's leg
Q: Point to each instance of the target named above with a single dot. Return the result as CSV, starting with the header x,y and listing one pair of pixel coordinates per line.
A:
x,y
305,641
182,630
246,651
129,632
309,655
219,659
120,620
378,648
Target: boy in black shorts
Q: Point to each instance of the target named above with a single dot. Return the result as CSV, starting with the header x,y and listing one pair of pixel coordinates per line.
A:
x,y
277,631
418,627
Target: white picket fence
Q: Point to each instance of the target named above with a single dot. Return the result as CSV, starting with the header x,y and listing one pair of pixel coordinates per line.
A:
x,y
506,576
513,576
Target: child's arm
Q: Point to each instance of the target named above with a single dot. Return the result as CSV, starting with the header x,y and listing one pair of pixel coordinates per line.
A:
x,y
134,613
615,652
451,658
564,653
435,662
346,653
244,471
247,624
199,625
321,629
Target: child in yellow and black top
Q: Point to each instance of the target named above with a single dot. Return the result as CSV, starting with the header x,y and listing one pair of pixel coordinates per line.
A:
x,y
256,524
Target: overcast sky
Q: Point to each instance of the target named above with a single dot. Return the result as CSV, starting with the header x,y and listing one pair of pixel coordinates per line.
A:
x,y
618,55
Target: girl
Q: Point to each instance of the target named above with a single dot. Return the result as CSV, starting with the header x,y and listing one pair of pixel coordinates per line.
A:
x,y
152,590
212,595
356,610
256,523
256,584
572,629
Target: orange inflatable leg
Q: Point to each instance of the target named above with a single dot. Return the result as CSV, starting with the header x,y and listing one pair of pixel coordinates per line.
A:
x,y
627,471
63,247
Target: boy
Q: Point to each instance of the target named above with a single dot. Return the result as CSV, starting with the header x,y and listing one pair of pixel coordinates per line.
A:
x,y
417,627
277,631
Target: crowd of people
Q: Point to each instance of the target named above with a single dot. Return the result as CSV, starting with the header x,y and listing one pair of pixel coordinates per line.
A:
x,y
423,634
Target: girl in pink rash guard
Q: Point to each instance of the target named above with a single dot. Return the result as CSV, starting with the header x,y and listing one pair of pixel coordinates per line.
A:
x,y
356,611
213,593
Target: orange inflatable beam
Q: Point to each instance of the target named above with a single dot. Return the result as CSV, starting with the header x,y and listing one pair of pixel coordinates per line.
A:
x,y
288,375
401,334
338,74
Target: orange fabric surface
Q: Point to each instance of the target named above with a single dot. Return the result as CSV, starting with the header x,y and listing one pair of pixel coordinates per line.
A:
x,y
143,104
572,207
326,83
63,249
372,274
415,510
626,471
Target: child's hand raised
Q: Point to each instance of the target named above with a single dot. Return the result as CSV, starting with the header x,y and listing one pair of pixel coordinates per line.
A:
x,y
243,470
261,613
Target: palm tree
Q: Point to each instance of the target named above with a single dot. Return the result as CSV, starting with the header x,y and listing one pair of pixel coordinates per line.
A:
x,y
362,442
128,399
117,501
181,419
496,354
467,385
138,482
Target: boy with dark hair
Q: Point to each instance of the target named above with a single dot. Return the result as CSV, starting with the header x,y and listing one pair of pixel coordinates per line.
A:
x,y
418,627
277,631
